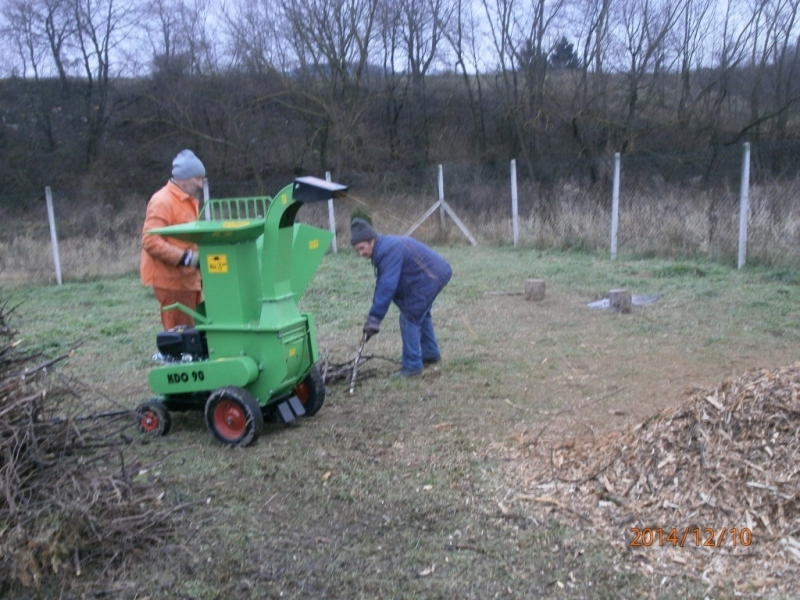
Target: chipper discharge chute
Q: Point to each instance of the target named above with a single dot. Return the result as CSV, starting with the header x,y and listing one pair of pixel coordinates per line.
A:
x,y
252,354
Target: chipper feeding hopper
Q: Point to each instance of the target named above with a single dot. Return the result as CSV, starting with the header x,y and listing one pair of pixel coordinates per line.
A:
x,y
252,354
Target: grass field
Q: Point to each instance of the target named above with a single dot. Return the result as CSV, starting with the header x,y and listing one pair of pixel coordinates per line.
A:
x,y
397,491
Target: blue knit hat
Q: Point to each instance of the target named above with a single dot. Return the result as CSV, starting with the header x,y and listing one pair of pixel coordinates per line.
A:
x,y
186,165
361,231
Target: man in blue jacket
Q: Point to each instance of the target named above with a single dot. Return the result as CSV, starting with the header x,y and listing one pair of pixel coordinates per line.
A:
x,y
411,275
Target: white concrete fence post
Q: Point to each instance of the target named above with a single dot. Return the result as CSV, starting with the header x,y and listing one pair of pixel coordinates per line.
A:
x,y
441,199
206,196
48,194
744,205
331,217
615,207
514,203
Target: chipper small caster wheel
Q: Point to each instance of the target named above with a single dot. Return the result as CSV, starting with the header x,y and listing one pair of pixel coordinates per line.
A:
x,y
233,416
153,418
309,398
311,392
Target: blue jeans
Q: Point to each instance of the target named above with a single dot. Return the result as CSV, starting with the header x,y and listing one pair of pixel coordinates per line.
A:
x,y
419,341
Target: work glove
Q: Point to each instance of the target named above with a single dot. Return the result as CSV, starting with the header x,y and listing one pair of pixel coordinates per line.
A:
x,y
190,258
371,327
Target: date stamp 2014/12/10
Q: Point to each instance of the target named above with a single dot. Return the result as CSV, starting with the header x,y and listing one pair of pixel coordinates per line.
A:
x,y
708,537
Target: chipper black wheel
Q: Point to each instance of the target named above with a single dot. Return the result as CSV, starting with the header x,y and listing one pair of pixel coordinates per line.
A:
x,y
311,392
233,416
153,418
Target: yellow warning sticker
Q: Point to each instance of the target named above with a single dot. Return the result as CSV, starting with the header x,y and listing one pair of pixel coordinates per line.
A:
x,y
313,244
292,351
284,199
228,224
217,263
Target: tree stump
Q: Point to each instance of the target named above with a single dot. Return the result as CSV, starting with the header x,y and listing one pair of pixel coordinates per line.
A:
x,y
534,289
620,300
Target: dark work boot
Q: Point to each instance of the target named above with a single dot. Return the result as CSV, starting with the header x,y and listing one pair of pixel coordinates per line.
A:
x,y
405,373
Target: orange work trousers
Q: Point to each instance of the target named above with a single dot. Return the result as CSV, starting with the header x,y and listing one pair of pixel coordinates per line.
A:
x,y
173,318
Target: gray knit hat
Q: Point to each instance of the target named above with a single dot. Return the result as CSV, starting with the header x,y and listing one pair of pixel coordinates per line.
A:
x,y
361,231
186,165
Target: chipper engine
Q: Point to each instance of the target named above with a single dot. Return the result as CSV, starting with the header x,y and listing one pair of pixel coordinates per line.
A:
x,y
252,354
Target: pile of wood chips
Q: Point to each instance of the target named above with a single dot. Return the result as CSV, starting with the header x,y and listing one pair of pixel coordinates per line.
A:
x,y
709,488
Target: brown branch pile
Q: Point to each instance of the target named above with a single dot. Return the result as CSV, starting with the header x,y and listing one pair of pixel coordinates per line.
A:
x,y
343,371
69,497
728,457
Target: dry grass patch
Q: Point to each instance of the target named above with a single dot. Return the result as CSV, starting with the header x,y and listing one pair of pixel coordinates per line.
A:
x,y
655,220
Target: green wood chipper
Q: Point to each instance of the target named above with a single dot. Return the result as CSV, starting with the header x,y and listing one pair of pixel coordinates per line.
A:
x,y
252,354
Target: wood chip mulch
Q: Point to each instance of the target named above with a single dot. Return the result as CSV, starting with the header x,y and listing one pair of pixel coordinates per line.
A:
x,y
709,488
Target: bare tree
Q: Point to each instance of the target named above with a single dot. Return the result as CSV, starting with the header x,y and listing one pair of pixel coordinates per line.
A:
x,y
183,36
691,35
773,63
40,30
532,55
395,84
26,31
519,38
646,25
331,40
101,27
461,33
255,42
163,30
501,18
420,24
786,61
730,39
594,27
589,114
72,37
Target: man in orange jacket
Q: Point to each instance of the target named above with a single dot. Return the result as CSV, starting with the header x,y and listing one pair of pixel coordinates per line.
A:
x,y
170,266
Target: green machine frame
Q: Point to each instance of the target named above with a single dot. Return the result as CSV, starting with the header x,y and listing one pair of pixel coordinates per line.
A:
x,y
255,264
